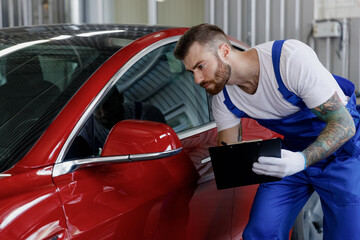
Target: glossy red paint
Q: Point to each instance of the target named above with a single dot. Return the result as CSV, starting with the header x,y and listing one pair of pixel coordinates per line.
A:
x,y
128,200
211,210
197,148
253,130
137,137
243,199
30,206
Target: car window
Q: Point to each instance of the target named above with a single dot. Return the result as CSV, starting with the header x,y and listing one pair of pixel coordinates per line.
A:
x,y
35,84
157,87
161,80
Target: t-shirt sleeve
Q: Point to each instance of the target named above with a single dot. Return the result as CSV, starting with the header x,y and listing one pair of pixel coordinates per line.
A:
x,y
306,76
223,117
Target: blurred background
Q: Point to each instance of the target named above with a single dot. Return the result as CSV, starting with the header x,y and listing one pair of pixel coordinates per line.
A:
x,y
330,27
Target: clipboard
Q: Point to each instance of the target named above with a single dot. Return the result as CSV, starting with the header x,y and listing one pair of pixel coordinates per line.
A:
x,y
232,164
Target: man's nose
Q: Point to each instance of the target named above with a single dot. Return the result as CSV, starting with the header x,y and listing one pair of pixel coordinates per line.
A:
x,y
199,78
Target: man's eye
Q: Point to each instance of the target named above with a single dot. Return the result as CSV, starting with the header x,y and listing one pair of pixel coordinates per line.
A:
x,y
200,66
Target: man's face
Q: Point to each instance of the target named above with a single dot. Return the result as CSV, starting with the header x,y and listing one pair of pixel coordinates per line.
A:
x,y
210,72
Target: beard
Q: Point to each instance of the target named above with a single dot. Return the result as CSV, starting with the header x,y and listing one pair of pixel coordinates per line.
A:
x,y
222,76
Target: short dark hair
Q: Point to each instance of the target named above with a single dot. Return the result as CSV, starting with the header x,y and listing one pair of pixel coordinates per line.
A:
x,y
204,34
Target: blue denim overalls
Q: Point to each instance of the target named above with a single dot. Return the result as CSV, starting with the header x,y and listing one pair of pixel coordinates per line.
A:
x,y
336,178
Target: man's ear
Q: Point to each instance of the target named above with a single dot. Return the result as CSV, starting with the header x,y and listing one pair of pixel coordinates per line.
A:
x,y
224,51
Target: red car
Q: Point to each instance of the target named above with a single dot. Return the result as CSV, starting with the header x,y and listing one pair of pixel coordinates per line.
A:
x,y
105,135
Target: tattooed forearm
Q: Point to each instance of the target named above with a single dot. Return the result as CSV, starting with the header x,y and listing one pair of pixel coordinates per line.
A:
x,y
339,129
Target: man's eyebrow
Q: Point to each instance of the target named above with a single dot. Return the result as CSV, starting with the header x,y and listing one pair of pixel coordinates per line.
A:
x,y
196,65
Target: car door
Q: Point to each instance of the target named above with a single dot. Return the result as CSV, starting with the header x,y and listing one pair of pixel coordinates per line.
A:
x,y
171,197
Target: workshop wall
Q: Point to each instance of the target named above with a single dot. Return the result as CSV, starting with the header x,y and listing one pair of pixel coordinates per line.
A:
x,y
258,21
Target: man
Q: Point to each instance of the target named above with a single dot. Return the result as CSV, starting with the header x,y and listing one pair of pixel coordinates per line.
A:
x,y
285,88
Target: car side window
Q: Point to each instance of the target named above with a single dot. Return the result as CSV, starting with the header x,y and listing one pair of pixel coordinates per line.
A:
x,y
161,80
156,87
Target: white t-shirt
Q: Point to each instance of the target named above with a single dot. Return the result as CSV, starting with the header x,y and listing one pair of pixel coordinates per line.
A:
x,y
302,74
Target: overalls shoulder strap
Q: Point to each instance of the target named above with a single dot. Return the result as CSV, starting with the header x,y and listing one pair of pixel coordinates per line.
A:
x,y
288,96
232,108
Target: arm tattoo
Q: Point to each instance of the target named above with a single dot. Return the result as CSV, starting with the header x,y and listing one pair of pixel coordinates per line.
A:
x,y
340,128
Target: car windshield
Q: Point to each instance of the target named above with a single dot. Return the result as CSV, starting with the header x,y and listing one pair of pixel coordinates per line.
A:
x,y
40,71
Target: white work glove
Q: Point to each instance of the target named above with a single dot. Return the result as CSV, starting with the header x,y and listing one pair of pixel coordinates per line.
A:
x,y
288,164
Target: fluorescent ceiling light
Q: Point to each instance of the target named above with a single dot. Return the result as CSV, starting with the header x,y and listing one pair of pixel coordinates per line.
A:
x,y
89,34
61,37
20,46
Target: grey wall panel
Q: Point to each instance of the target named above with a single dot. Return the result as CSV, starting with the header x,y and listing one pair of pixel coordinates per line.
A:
x,y
354,58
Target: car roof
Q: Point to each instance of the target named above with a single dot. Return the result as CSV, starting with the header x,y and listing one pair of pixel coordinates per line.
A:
x,y
16,35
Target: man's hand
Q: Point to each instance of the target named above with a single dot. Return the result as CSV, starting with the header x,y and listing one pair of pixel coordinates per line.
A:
x,y
288,164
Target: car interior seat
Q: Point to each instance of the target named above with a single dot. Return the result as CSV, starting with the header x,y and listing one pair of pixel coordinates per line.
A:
x,y
25,92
